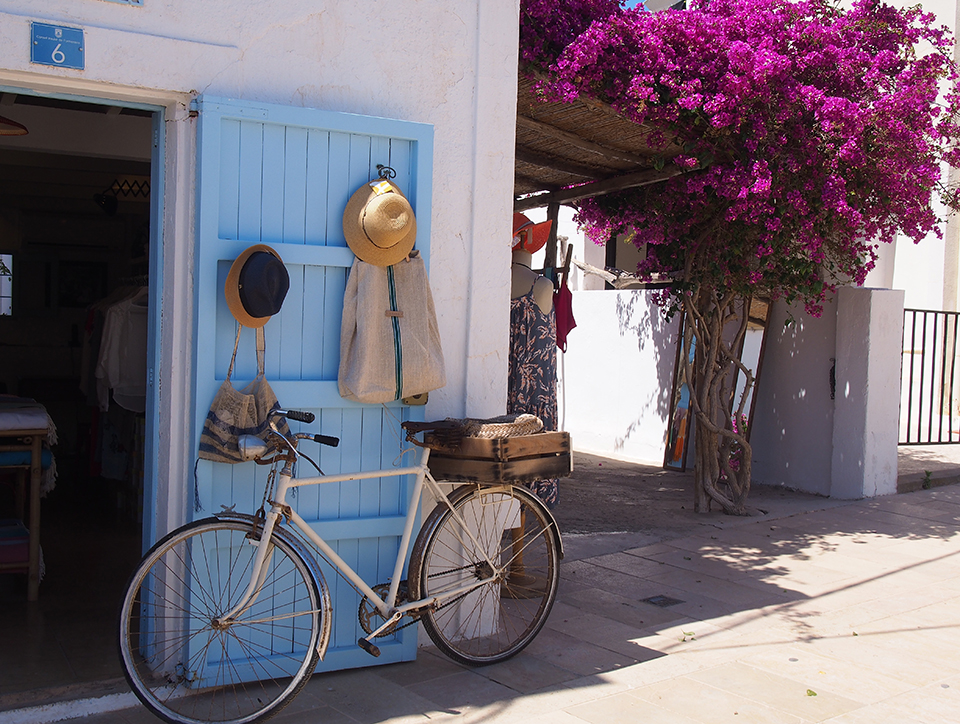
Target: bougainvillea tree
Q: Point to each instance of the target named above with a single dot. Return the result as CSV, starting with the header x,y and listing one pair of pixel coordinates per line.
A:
x,y
810,134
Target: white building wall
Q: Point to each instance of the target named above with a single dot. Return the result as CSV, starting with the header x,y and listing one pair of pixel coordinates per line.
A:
x,y
919,271
450,63
616,376
792,437
614,380
842,446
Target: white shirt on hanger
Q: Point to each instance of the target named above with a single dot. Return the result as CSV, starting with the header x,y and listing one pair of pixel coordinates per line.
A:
x,y
122,363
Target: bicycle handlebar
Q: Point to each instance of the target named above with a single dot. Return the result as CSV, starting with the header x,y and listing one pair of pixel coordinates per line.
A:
x,y
307,417
298,415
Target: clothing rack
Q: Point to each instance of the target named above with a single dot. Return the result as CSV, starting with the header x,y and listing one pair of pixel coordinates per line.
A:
x,y
565,269
558,275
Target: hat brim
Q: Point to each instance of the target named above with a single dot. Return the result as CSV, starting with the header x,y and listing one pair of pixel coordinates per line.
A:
x,y
536,236
357,240
231,289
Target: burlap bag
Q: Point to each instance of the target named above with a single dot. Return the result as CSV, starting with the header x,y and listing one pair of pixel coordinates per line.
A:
x,y
238,412
389,339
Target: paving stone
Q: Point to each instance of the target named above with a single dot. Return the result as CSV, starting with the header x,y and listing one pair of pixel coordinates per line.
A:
x,y
429,665
626,608
826,674
463,691
798,696
706,704
528,674
581,657
627,709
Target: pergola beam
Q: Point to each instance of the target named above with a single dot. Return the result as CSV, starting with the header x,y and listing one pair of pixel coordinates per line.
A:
x,y
598,188
558,164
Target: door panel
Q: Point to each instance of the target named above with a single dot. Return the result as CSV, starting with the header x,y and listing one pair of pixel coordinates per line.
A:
x,y
282,176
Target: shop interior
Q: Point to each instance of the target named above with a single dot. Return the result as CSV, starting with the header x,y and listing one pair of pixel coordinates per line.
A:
x,y
74,241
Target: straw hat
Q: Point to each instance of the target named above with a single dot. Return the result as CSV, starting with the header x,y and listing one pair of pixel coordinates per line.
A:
x,y
257,284
379,223
528,236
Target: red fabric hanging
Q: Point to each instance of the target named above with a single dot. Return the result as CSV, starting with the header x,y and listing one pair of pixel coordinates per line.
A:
x,y
563,304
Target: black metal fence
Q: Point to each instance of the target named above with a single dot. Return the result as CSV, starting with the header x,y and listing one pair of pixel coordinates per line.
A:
x,y
929,378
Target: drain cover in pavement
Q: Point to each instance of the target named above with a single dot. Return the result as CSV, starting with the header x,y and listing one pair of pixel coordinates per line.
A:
x,y
662,601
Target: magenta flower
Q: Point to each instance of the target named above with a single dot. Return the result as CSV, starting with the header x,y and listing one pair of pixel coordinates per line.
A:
x,y
822,130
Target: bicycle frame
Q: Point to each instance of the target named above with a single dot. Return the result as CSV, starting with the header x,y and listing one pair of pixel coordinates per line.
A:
x,y
387,607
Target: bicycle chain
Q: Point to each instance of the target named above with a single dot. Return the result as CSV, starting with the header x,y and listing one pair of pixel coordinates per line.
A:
x,y
381,589
368,611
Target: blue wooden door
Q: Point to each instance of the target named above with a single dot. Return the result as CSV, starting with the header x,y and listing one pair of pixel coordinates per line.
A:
x,y
282,176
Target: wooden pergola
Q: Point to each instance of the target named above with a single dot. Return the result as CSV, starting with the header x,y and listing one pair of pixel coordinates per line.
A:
x,y
566,152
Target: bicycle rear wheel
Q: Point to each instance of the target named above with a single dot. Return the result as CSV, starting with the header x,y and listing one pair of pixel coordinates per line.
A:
x,y
183,662
507,527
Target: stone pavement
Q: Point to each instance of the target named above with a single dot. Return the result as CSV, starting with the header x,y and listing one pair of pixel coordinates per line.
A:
x,y
820,611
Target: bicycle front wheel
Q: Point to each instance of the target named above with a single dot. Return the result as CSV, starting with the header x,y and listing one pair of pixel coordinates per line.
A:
x,y
189,665
504,536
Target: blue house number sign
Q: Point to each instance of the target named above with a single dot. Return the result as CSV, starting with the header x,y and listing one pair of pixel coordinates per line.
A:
x,y
56,45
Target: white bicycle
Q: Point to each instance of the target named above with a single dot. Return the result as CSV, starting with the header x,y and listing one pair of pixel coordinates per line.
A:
x,y
225,618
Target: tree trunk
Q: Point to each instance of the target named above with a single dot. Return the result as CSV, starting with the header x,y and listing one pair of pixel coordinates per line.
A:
x,y
706,446
714,326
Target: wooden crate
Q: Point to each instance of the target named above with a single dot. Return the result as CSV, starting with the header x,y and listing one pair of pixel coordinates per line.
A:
x,y
520,459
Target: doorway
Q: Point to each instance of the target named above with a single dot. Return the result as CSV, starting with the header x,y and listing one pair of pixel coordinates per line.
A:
x,y
75,235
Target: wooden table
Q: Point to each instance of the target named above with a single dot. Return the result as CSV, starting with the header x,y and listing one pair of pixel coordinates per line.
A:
x,y
32,441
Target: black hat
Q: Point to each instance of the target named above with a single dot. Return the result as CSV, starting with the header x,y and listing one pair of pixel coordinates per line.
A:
x,y
256,285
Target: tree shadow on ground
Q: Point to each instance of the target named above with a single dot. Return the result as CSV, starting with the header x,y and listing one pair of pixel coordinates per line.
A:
x,y
788,570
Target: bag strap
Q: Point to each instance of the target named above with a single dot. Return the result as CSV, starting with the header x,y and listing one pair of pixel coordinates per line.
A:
x,y
233,358
261,351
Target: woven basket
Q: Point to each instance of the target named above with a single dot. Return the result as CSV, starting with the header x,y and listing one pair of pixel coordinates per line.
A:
x,y
503,426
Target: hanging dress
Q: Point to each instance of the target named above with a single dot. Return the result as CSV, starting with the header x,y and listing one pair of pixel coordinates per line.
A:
x,y
532,381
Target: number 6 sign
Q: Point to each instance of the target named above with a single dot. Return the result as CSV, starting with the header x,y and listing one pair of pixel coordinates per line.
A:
x,y
56,45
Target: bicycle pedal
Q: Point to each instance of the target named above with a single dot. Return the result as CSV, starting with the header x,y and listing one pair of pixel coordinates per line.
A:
x,y
369,647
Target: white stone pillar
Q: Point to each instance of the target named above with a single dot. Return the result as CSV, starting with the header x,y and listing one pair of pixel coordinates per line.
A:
x,y
881,276
866,412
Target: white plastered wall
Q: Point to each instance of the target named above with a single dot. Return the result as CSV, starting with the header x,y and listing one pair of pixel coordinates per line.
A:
x,y
449,63
840,440
614,380
792,439
616,375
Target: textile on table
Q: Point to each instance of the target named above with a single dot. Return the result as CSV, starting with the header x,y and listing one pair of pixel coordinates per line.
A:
x,y
23,413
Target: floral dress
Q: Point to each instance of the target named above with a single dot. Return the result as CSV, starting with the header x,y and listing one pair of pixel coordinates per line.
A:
x,y
532,383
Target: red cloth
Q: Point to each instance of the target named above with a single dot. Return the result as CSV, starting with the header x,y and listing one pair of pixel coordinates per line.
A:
x,y
563,304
